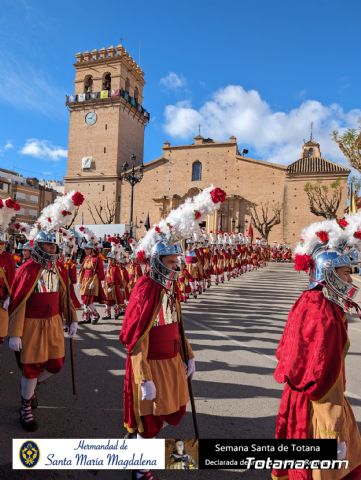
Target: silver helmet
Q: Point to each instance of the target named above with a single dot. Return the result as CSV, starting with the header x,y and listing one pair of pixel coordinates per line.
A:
x,y
112,255
46,260
90,245
325,272
27,246
158,271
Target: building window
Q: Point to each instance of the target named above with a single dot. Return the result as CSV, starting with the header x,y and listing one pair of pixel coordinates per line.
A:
x,y
127,85
105,150
20,196
310,152
136,94
107,81
88,84
4,187
103,188
196,171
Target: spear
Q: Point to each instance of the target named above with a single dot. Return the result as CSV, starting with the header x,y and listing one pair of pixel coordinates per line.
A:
x,y
69,316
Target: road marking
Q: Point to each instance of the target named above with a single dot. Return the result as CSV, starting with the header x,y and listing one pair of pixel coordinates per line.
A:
x,y
236,342
117,351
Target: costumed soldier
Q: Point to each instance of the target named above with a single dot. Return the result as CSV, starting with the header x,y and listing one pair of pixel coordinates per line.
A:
x,y
134,265
66,264
27,249
90,277
8,209
124,276
314,343
38,306
155,387
112,282
191,261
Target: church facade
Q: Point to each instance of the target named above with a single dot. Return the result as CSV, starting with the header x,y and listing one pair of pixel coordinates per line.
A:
x,y
107,121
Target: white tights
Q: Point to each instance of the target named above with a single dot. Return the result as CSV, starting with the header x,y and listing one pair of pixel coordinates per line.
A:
x,y
28,385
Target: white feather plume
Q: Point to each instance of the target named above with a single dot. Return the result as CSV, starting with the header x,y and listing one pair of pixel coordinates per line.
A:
x,y
23,228
56,215
6,214
181,223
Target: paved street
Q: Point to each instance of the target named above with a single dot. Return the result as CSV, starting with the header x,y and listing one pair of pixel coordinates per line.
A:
x,y
234,329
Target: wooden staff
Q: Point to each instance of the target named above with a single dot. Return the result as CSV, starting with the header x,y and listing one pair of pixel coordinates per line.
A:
x,y
186,358
69,319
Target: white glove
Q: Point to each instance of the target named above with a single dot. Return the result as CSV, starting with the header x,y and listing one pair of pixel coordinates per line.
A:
x,y
341,450
73,328
91,286
110,290
191,367
6,303
15,344
148,390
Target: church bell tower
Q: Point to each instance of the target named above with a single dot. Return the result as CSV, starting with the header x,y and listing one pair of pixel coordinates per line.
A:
x,y
106,128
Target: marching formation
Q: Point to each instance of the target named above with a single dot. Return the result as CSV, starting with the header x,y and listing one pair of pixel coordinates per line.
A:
x,y
281,252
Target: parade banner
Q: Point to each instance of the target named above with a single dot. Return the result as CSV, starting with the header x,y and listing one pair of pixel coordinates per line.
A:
x,y
159,454
90,454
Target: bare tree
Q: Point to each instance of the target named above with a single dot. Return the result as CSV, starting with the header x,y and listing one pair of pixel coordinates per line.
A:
x,y
265,216
100,213
324,200
350,145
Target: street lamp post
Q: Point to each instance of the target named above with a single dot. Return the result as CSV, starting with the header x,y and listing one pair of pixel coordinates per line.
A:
x,y
132,176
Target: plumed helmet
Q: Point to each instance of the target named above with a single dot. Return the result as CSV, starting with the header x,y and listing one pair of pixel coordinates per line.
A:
x,y
326,246
52,218
181,223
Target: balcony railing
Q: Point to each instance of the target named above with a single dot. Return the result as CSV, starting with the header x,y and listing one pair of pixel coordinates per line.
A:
x,y
105,94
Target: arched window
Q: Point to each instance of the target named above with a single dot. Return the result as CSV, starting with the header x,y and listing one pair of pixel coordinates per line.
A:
x,y
88,84
127,85
136,94
196,171
107,82
310,152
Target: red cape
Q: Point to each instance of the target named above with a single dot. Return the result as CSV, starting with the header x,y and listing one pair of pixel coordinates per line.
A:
x,y
24,283
141,310
310,357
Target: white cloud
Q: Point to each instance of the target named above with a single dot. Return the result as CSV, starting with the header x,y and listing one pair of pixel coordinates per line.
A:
x,y
44,150
8,145
173,81
271,135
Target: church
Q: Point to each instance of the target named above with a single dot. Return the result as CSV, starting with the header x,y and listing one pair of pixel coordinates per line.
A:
x,y
106,140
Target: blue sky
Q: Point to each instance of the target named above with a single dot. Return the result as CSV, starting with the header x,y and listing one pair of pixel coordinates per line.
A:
x,y
259,69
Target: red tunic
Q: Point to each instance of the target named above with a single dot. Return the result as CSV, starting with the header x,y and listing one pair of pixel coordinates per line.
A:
x,y
124,284
143,303
113,294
